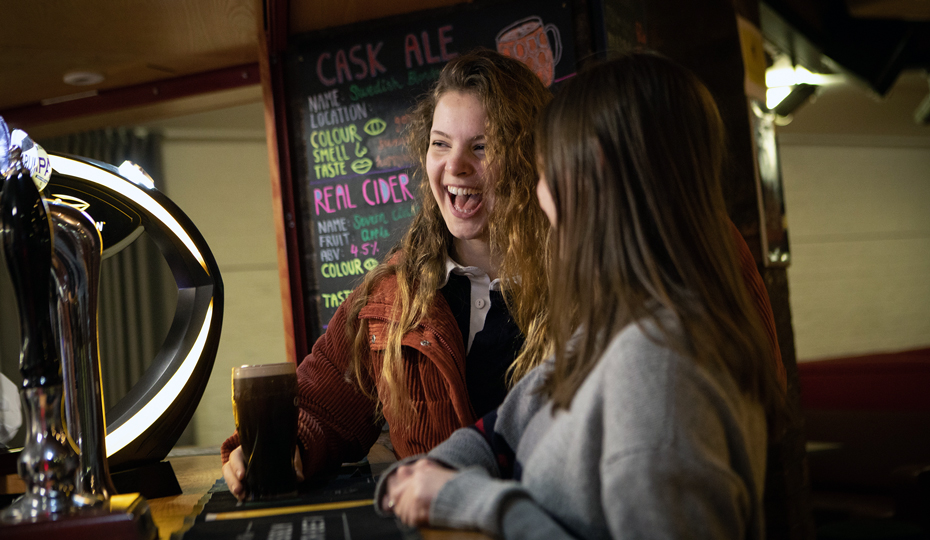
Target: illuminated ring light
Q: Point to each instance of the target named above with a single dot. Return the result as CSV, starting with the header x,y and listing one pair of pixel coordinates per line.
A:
x,y
146,423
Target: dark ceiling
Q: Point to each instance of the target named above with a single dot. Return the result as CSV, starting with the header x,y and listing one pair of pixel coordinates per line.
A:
x,y
874,40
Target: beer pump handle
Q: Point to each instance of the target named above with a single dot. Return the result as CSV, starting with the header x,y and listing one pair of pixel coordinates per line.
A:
x,y
27,243
46,463
78,252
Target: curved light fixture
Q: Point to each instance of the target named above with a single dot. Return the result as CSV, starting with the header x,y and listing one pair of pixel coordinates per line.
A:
x,y
70,166
784,78
148,421
120,437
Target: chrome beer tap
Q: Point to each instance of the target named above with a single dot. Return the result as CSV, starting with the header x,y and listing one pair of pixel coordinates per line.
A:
x,y
47,462
76,262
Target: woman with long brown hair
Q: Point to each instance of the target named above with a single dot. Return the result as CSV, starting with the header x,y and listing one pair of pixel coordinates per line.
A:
x,y
653,418
431,339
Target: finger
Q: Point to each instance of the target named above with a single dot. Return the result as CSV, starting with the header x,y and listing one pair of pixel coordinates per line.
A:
x,y
393,493
298,465
410,512
404,471
232,482
236,467
237,459
404,504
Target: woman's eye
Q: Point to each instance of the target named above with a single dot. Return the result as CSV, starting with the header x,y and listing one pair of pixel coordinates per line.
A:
x,y
479,148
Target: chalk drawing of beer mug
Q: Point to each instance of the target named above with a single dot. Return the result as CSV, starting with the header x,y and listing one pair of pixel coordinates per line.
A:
x,y
527,40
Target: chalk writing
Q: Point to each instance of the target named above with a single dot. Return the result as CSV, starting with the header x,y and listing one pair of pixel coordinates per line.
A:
x,y
337,135
332,198
333,300
351,112
326,100
383,86
368,248
325,226
375,127
391,162
400,122
413,50
352,267
374,234
392,144
419,77
329,154
334,68
333,153
404,212
361,166
368,221
334,240
381,191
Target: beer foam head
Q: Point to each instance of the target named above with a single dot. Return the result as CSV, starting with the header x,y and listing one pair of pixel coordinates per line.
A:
x,y
264,370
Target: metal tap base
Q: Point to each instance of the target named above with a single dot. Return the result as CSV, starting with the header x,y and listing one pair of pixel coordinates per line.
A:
x,y
47,462
122,516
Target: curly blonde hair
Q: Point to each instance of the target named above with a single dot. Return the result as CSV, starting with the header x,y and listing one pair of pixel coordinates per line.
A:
x,y
519,232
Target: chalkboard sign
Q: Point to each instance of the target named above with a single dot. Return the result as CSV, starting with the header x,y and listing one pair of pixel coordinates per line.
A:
x,y
348,93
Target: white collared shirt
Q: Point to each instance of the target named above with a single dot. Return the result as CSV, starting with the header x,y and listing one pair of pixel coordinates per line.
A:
x,y
480,300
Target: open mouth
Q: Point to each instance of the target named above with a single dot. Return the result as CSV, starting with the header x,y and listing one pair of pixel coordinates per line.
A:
x,y
464,200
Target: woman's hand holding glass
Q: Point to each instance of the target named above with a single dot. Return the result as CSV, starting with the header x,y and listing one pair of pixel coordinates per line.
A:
x,y
234,472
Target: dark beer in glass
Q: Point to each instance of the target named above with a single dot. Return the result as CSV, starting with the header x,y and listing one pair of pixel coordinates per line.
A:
x,y
265,407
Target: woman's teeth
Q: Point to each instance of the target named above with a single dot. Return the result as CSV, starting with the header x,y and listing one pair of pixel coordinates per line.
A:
x,y
464,200
462,191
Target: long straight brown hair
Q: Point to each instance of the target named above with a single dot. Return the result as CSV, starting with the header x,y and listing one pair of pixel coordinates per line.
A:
x,y
633,151
513,96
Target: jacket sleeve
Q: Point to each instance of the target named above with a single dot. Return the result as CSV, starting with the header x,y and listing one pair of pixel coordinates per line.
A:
x,y
760,298
336,421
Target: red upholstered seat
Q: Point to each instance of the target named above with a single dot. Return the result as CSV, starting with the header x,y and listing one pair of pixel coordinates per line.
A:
x,y
897,381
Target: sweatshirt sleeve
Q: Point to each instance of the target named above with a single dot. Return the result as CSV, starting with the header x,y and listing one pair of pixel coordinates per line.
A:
x,y
336,420
474,500
491,442
483,495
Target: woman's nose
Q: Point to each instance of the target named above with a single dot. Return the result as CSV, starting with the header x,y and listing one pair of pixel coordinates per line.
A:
x,y
459,163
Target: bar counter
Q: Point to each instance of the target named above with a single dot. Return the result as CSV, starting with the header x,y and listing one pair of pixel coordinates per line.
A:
x,y
197,473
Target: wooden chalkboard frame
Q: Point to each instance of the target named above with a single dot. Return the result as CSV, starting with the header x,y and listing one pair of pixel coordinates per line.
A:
x,y
347,218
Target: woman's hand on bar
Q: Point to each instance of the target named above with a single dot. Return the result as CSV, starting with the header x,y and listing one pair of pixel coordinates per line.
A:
x,y
412,489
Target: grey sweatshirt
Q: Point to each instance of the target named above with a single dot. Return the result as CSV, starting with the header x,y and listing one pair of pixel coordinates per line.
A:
x,y
653,446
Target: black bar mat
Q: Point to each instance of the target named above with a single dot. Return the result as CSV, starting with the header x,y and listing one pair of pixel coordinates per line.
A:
x,y
338,508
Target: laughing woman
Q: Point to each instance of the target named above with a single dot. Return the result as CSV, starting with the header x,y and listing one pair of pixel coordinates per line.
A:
x,y
431,339
653,418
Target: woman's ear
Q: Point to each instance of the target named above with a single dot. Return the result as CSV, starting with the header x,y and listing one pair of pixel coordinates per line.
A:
x,y
546,202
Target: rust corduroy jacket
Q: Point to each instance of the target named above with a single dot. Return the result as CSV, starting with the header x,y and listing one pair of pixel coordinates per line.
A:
x,y
337,422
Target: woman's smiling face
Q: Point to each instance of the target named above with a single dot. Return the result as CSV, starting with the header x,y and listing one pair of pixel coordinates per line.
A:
x,y
455,164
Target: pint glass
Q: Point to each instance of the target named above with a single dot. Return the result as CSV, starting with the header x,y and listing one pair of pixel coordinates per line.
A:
x,y
265,407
